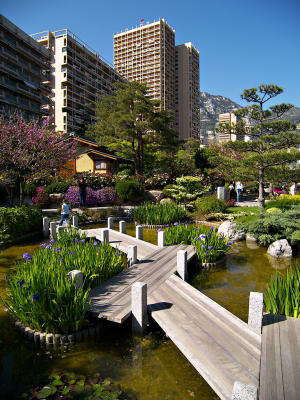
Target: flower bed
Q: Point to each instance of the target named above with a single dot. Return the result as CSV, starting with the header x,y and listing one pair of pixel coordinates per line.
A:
x,y
210,247
42,297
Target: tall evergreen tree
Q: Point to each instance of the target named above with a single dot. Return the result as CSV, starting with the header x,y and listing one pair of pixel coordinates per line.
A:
x,y
272,142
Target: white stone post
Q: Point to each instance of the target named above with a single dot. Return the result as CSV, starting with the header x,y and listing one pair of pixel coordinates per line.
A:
x,y
139,307
242,391
255,316
182,264
104,235
53,230
221,192
76,276
139,232
110,223
46,227
60,229
161,236
122,226
132,254
75,221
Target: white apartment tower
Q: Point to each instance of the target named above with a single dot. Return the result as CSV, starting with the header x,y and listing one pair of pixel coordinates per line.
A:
x,y
187,91
78,77
147,54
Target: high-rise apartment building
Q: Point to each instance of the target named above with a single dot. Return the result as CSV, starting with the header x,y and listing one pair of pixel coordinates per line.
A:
x,y
78,77
232,119
147,54
23,65
187,91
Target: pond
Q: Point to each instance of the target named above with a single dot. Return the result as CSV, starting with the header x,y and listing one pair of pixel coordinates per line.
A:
x,y
151,368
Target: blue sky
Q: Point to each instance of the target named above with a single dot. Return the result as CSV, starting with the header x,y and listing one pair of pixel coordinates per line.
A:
x,y
242,43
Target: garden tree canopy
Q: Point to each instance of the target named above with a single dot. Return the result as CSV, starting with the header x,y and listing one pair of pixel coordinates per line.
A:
x,y
271,141
29,150
129,120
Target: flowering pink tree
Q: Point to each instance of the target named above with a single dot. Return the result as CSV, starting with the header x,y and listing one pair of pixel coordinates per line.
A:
x,y
30,149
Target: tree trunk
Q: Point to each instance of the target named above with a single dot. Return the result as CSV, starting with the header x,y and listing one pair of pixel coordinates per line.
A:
x,y
22,185
261,200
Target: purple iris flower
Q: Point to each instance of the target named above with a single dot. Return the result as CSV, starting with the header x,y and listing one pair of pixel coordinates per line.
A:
x,y
230,243
72,252
206,252
35,297
167,225
159,230
26,255
43,245
5,277
209,235
176,223
82,241
209,247
58,249
198,238
28,288
203,246
61,259
202,237
76,240
118,254
211,227
21,283
95,243
49,247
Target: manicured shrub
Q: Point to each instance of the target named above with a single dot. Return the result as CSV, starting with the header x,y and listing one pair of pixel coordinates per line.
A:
x,y
58,187
19,220
282,294
273,210
106,195
210,204
271,227
158,181
284,203
187,188
43,298
129,190
159,214
42,198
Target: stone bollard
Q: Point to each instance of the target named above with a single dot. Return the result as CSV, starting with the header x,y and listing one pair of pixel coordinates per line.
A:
x,y
46,227
122,226
242,391
110,223
53,230
60,229
139,307
77,276
132,255
161,237
139,232
182,264
104,235
75,221
221,192
255,315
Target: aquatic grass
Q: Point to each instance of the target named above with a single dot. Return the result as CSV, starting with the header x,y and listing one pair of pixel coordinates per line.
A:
x,y
282,294
44,299
208,244
159,214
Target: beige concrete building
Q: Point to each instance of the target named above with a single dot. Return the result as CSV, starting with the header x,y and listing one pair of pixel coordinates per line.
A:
x,y
187,91
78,77
228,118
147,54
23,65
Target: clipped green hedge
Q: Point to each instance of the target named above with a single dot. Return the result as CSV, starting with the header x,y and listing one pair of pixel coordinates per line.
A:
x,y
210,204
58,187
19,220
130,190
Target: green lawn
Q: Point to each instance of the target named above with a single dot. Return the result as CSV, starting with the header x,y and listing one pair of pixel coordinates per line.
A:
x,y
248,213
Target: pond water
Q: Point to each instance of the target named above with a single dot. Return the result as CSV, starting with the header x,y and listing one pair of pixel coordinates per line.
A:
x,y
149,368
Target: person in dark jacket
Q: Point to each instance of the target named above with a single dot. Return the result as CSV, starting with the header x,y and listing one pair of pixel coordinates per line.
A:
x,y
82,192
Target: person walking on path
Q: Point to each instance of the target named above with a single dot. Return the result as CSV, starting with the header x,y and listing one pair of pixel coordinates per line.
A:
x,y
231,188
82,192
239,188
293,189
65,213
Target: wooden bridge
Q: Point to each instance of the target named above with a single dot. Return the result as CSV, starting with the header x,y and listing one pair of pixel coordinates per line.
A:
x,y
223,349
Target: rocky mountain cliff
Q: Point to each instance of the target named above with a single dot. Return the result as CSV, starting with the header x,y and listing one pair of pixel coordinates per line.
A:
x,y
212,105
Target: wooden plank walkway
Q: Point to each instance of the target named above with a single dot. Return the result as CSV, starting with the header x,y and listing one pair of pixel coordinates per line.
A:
x,y
112,299
122,241
280,359
218,344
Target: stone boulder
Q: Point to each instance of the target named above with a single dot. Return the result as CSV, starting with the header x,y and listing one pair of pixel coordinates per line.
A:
x,y
56,198
280,248
229,230
167,200
154,195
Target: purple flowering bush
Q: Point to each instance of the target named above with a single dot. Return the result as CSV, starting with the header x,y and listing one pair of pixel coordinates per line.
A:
x,y
72,196
107,195
42,197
